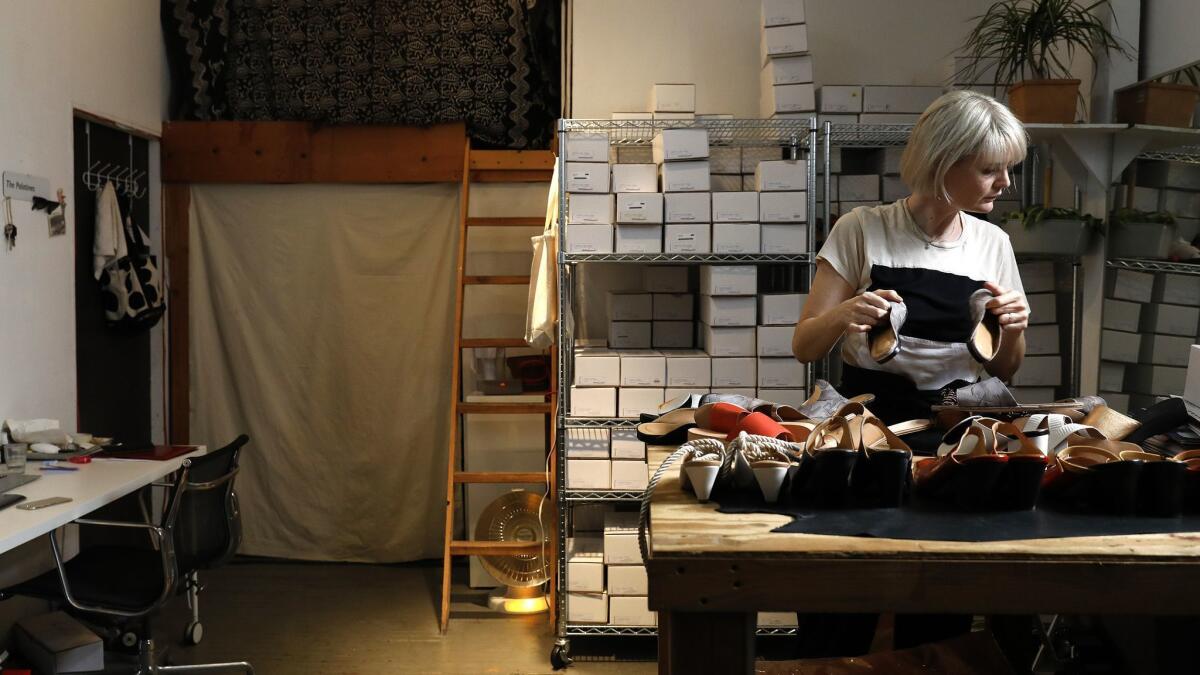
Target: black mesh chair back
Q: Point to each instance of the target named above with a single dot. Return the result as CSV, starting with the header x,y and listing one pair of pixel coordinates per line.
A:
x,y
209,527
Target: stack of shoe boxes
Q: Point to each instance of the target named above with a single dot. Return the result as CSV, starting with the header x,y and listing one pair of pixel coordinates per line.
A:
x,y
1120,339
684,170
783,206
590,202
781,378
1173,187
626,573
673,101
1151,363
1042,371
894,104
587,601
639,208
786,83
728,314
725,163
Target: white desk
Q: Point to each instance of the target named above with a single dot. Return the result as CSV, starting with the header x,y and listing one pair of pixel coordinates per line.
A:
x,y
101,481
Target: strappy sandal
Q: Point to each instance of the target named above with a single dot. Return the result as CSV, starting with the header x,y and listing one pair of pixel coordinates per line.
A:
x,y
767,459
966,469
826,466
699,468
1025,465
1160,483
881,471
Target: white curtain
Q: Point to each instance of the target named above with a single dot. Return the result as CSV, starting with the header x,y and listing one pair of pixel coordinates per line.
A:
x,y
321,325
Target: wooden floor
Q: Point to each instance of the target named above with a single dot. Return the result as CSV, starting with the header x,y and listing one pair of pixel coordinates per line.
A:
x,y
315,618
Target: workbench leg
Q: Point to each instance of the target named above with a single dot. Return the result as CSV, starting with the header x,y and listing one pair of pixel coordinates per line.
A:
x,y
706,642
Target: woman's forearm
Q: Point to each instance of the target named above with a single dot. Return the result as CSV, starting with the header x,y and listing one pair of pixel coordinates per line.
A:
x,y
816,336
1008,359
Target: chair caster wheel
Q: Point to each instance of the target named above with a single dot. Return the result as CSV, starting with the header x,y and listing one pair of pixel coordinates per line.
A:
x,y
129,639
194,633
559,658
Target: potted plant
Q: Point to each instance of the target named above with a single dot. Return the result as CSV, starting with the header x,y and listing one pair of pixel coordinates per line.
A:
x,y
1141,234
1048,230
1169,100
1031,43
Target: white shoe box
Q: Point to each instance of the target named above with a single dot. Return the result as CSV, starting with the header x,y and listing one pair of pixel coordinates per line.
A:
x,y
1122,315
588,474
1033,394
585,564
784,237
735,207
631,611
1120,346
690,176
892,189
1112,376
1160,380
782,12
1043,308
1165,350
687,238
643,368
752,155
632,402
587,607
898,99
861,188
1037,277
783,373
776,619
632,116
589,518
629,334
734,372
727,341
639,207
666,279
780,309
1177,289
729,280
625,445
888,118
626,580
784,40
1135,286
1191,390
638,178
775,340
727,183
630,307
782,175
782,207
1115,400
589,238
679,144
1042,339
587,177
1186,204
725,159
636,154
629,474
787,98
639,239
690,368
891,160
672,334
587,444
748,392
597,368
585,146
688,207
1169,175
593,402
672,306
673,98
840,98
1039,371
787,70
674,116
729,310
620,538
792,397
736,238
1167,319
590,209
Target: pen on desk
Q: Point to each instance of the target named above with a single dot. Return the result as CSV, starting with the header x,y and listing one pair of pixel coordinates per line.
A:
x,y
59,468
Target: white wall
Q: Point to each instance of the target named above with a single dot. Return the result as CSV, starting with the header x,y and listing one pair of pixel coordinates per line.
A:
x,y
1171,39
102,56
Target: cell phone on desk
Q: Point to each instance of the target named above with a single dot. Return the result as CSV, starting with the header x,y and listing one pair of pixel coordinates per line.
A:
x,y
42,503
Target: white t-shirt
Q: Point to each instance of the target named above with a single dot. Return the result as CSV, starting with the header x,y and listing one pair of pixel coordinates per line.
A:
x,y
881,247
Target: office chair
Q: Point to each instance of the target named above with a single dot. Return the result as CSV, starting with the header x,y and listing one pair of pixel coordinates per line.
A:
x,y
122,586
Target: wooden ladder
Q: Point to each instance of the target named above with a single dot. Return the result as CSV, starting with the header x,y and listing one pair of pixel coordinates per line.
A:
x,y
490,166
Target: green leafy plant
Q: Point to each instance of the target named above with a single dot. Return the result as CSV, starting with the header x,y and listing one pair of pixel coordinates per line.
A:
x,y
1186,75
1034,215
1037,39
1127,215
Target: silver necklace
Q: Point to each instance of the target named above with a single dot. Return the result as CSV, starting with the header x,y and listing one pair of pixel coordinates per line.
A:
x,y
929,241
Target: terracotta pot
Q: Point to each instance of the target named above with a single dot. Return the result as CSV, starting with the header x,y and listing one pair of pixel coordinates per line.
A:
x,y
1168,105
1044,101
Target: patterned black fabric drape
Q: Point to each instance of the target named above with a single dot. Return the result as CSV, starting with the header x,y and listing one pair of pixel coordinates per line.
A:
x,y
196,35
492,63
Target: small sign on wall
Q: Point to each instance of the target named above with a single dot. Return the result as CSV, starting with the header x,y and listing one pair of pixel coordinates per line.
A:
x,y
25,187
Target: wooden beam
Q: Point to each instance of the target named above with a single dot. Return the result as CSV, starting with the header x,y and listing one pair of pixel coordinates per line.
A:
x,y
300,152
176,200
512,160
499,176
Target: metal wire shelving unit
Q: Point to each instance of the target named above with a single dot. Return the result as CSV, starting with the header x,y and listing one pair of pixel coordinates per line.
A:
x,y
1143,265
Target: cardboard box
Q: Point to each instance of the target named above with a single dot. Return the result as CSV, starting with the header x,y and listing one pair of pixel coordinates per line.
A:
x,y
636,154
587,177
735,207
781,175
776,619
671,145
1042,308
589,238
725,159
633,116
723,183
784,373
748,392
898,99
787,70
692,369
640,178
1042,339
597,368
787,98
692,176
888,118
748,183
1039,371
733,372
587,444
688,207
1165,350
782,12
639,207
736,238
631,611
632,402
1122,315
1160,380
792,397
891,160
593,402
620,539
1186,204
729,310
784,237
729,280
643,369
893,189
672,306
782,207
751,156
727,341
674,116
626,580
625,445
780,309
639,239
775,340
784,41
687,238
587,607
1119,346
57,643
1166,319
585,564
1034,394
590,209
673,98
840,98
1176,289
588,474
630,307
586,146
858,188
1037,277
629,474
629,334
1135,286
1191,389
589,518
666,279
672,335
1112,376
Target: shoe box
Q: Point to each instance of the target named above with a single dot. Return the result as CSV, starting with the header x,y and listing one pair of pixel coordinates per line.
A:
x,y
1165,350
1039,371
1042,339
627,580
1120,346
687,238
775,340
1043,308
780,309
1156,380
674,145
639,208
589,474
689,369
587,607
624,444
632,402
638,239
583,238
594,401
734,372
1166,319
634,179
643,368
588,443
585,564
782,207
736,238
1037,277
1130,285
858,188
729,280
1122,315
783,238
1112,376
1176,289
735,207
620,538
783,373
729,310
587,147
1191,389
630,307
629,334
720,341
672,306
838,98
588,177
631,611
690,176
597,368
672,334
781,175
629,474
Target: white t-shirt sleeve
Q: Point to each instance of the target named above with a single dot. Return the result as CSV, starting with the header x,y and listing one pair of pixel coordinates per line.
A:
x,y
1010,276
844,249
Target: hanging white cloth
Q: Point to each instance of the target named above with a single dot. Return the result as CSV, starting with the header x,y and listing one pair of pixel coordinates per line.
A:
x,y
542,307
109,244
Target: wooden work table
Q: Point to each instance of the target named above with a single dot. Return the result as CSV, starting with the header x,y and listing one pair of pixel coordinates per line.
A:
x,y
709,573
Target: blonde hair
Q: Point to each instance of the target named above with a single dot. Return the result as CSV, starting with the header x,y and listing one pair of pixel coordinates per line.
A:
x,y
960,124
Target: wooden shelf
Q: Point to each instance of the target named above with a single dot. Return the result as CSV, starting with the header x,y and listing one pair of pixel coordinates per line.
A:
x,y
497,547
505,408
500,477
532,221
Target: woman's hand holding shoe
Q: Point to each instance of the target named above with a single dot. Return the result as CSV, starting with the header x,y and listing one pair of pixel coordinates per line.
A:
x,y
1009,306
863,312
